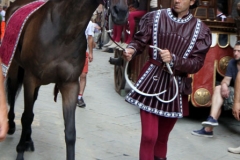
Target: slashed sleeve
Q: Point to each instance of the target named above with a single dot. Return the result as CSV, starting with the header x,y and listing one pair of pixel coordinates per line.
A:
x,y
195,60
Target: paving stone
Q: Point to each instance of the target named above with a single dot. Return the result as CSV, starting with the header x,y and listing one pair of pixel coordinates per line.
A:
x,y
109,128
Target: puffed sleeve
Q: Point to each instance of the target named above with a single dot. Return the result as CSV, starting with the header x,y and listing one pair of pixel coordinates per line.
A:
x,y
195,60
143,36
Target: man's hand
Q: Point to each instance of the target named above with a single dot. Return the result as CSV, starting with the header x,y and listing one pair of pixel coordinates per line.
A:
x,y
3,123
90,56
225,90
166,56
236,111
127,54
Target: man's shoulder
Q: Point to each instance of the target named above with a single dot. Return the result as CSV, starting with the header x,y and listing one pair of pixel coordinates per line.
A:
x,y
232,63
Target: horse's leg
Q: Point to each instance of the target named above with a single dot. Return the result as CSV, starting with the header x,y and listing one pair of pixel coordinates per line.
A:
x,y
14,84
30,95
11,101
69,99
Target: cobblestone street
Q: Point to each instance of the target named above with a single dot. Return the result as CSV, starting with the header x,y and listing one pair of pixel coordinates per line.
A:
x,y
109,128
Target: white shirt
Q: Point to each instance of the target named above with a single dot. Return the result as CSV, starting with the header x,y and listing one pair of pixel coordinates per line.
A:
x,y
221,16
3,15
96,26
90,29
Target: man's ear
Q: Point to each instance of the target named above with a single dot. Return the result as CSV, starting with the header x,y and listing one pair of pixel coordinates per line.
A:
x,y
192,2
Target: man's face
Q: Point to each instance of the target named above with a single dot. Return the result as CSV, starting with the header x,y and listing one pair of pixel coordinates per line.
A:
x,y
236,52
182,6
238,6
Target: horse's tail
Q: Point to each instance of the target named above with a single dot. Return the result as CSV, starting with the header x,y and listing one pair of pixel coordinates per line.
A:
x,y
14,84
55,92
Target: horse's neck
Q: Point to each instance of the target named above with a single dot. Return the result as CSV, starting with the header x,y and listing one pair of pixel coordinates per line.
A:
x,y
75,15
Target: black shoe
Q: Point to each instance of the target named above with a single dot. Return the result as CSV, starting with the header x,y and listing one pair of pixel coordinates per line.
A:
x,y
80,103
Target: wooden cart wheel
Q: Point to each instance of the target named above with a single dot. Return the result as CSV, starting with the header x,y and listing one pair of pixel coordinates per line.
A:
x,y
119,78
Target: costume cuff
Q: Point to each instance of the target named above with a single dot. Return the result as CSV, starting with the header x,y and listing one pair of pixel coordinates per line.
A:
x,y
135,51
173,60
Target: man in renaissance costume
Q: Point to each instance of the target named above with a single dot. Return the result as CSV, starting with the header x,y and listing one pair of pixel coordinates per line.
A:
x,y
184,42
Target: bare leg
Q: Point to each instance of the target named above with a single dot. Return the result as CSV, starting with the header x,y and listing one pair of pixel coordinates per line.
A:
x,y
82,83
236,105
217,102
236,108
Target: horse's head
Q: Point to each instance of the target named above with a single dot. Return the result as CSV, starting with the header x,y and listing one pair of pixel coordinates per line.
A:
x,y
118,10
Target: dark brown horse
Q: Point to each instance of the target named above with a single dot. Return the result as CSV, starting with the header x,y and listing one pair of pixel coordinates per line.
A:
x,y
52,49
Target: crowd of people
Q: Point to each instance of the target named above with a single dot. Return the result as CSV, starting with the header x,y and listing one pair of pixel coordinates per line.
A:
x,y
136,11
184,59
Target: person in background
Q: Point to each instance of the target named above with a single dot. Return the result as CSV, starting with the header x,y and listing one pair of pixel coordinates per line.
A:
x,y
3,108
89,32
220,16
184,41
97,34
3,23
130,26
236,109
223,95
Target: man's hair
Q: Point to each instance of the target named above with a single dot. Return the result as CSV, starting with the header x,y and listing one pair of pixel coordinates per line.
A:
x,y
237,43
4,7
220,7
195,5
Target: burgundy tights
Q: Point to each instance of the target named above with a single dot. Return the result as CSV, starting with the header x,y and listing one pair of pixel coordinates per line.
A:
x,y
132,15
155,132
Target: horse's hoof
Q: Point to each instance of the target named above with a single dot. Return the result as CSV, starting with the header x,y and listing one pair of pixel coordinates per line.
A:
x,y
29,146
20,156
11,131
12,127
